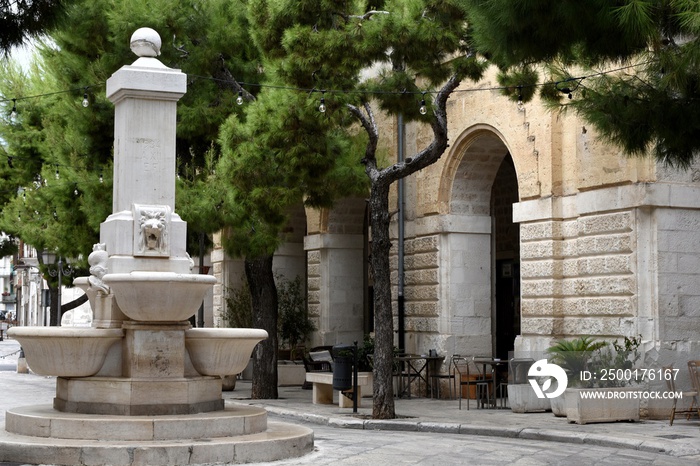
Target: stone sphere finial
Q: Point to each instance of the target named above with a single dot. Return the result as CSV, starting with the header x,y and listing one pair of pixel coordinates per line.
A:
x,y
145,42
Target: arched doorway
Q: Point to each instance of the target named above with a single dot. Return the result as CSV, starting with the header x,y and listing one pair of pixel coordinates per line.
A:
x,y
506,253
482,247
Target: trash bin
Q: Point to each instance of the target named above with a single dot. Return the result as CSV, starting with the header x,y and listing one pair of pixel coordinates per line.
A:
x,y
344,358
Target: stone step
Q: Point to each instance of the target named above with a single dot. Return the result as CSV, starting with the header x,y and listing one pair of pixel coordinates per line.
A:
x,y
279,441
44,421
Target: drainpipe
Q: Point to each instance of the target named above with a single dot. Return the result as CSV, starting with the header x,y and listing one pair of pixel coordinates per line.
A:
x,y
200,311
401,309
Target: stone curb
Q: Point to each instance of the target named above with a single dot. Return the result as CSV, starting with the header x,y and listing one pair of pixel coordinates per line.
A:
x,y
529,433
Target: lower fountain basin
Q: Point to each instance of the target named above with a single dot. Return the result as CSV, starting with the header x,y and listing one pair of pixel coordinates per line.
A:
x,y
159,296
221,351
65,352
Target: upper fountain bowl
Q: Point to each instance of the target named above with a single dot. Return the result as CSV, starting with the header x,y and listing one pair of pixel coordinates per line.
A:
x,y
159,296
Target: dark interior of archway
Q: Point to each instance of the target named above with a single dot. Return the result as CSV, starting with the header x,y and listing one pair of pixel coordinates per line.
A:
x,y
504,194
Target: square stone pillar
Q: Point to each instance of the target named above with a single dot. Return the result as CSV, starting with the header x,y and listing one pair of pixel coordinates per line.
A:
x,y
154,351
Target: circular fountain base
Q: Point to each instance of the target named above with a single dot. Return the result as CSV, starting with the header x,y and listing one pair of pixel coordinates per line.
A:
x,y
238,434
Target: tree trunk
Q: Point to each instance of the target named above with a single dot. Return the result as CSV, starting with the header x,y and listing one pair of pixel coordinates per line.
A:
x,y
55,309
381,180
263,293
383,394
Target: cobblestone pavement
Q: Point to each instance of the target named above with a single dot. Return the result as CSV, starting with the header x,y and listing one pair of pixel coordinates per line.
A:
x,y
429,431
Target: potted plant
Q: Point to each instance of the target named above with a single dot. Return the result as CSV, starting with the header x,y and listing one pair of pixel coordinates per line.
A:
x,y
294,325
574,357
606,381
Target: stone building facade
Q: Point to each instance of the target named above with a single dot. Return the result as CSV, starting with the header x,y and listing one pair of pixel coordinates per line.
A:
x,y
529,228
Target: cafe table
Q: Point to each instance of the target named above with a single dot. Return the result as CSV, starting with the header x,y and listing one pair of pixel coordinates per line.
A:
x,y
494,364
415,368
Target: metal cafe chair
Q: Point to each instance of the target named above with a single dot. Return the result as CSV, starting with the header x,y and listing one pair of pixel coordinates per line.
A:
x,y
436,379
469,375
671,385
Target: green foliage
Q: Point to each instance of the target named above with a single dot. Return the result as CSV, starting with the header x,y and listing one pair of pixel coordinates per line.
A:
x,y
239,309
647,108
621,357
293,327
55,133
575,356
8,245
597,357
22,20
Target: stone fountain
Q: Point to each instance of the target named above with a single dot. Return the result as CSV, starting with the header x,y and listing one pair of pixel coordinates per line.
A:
x,y
141,386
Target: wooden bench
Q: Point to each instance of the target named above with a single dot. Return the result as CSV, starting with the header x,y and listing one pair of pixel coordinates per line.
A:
x,y
322,390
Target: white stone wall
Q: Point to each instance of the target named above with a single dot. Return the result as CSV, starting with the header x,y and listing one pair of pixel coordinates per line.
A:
x,y
679,277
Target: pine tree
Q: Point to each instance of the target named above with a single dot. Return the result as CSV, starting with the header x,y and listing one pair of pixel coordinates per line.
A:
x,y
21,20
56,176
649,106
326,45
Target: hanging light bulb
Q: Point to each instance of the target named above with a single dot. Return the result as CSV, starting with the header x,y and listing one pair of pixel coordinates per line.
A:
x,y
86,102
239,100
521,106
58,176
101,179
423,109
75,191
322,106
13,113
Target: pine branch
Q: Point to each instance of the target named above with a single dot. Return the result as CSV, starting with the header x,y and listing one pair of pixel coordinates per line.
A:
x,y
368,15
226,79
439,144
370,125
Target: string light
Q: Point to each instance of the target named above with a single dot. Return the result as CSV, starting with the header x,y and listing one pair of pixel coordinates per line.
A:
x,y
86,101
423,109
569,89
322,106
13,113
521,106
239,100
101,178
58,177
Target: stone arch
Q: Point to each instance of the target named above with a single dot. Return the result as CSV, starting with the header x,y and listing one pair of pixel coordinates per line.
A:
x,y
481,136
474,266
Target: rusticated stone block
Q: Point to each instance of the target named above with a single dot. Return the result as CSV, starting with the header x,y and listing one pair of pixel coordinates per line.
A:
x,y
608,223
424,244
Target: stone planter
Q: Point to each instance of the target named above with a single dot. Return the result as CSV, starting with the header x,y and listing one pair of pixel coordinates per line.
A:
x,y
558,405
290,374
613,405
522,399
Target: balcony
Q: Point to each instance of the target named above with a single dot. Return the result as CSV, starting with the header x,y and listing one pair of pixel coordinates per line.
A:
x,y
9,298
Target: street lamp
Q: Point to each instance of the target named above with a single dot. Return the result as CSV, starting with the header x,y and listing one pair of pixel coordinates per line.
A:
x,y
49,259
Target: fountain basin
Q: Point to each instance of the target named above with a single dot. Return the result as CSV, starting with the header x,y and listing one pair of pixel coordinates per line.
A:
x,y
65,352
221,351
159,296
